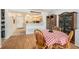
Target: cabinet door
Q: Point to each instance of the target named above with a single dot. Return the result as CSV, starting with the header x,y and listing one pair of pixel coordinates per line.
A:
x,y
65,23
61,23
48,23
68,24
53,21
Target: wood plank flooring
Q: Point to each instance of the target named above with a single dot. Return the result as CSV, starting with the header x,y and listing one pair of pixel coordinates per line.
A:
x,y
20,42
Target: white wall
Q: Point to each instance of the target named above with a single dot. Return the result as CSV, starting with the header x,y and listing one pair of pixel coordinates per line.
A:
x,y
77,30
44,14
9,26
77,18
59,11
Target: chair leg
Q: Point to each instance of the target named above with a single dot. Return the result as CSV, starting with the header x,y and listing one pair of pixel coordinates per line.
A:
x,y
68,45
50,47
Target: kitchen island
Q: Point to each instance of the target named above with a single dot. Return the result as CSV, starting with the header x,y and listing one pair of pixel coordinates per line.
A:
x,y
30,27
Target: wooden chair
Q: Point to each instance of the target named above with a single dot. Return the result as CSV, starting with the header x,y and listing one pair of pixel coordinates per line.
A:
x,y
56,28
40,41
69,39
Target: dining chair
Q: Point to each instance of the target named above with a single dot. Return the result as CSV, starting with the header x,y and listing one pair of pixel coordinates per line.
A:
x,y
69,39
56,28
40,40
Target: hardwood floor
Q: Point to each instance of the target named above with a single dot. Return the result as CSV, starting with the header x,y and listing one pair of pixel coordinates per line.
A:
x,y
20,42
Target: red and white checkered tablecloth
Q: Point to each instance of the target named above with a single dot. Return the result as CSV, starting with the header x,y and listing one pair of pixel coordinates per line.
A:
x,y
55,37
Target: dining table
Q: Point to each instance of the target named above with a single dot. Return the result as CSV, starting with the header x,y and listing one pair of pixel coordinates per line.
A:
x,y
55,37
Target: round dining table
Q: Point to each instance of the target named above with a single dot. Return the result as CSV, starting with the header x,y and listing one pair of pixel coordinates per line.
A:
x,y
55,37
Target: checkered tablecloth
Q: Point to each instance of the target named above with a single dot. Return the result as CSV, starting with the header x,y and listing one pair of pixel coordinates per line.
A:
x,y
55,37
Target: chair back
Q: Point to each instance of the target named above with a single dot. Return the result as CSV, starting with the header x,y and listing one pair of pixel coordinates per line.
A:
x,y
70,35
68,45
56,28
40,41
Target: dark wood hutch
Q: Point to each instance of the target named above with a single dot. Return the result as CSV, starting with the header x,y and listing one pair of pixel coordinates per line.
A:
x,y
68,22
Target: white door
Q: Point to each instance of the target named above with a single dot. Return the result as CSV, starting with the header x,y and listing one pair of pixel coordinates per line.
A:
x,y
19,22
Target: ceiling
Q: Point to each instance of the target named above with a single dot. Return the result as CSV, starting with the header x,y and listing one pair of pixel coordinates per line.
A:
x,y
28,10
37,11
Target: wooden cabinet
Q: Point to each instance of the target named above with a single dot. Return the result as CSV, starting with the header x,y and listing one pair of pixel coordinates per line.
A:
x,y
68,22
51,21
